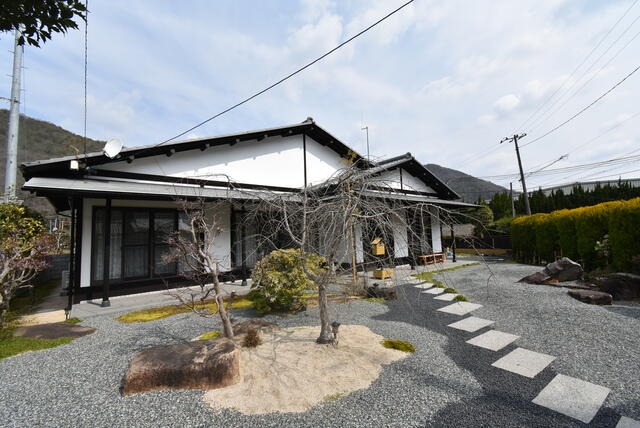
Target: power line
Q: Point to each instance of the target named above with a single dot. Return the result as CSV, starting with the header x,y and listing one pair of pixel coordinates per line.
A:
x,y
583,110
287,77
596,74
579,65
86,30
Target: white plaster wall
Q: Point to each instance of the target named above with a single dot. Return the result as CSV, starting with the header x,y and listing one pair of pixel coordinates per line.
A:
x,y
322,162
436,238
409,182
400,236
221,247
274,161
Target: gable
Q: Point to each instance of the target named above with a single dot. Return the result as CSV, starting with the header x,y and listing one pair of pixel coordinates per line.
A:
x,y
401,179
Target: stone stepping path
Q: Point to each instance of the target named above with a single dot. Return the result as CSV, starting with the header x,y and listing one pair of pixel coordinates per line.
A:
x,y
493,340
434,290
448,297
626,422
425,285
573,397
460,308
569,396
524,362
471,324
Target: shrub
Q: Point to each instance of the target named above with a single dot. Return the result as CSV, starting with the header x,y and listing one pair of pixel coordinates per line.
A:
x,y
523,235
624,235
251,339
546,237
399,345
565,221
592,223
279,280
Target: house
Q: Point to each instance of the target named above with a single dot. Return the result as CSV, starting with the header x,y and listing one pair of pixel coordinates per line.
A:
x,y
136,194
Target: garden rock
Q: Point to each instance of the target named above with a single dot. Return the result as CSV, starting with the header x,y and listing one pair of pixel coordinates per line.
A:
x,y
208,364
622,286
255,324
591,297
54,331
387,293
563,269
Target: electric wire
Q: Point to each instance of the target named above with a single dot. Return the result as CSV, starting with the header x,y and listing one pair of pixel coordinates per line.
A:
x,y
282,80
594,102
575,70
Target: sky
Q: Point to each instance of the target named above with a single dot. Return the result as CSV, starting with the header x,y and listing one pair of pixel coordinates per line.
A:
x,y
444,80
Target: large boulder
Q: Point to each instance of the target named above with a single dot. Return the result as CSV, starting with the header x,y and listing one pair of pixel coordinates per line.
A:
x,y
591,296
563,269
622,286
387,293
208,364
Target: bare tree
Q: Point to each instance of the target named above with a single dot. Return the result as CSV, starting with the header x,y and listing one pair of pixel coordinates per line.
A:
x,y
192,249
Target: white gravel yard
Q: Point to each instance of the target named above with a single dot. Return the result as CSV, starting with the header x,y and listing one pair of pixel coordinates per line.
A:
x,y
447,382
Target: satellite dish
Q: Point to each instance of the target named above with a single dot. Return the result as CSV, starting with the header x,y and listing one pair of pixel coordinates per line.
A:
x,y
112,148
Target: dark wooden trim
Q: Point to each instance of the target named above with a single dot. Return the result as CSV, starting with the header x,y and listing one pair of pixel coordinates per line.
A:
x,y
106,255
304,157
186,180
78,246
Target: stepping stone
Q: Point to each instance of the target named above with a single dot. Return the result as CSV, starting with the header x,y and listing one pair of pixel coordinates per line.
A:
x,y
626,422
524,362
573,397
434,290
471,324
446,297
460,308
493,340
425,285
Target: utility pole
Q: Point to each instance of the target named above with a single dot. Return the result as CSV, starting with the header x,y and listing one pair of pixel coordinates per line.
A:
x,y
366,128
515,139
11,166
513,207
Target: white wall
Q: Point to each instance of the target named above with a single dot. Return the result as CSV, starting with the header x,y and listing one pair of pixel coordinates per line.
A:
x,y
221,248
409,182
436,238
400,236
274,161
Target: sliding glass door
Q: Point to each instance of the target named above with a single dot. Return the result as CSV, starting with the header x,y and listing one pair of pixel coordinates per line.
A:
x,y
138,243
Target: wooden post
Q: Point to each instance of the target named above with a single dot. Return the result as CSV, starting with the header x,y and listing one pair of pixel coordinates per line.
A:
x,y
106,255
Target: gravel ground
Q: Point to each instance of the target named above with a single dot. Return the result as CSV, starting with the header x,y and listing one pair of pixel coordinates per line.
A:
x,y
445,383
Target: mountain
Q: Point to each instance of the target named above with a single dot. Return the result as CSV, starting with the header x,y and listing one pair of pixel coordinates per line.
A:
x,y
39,140
467,186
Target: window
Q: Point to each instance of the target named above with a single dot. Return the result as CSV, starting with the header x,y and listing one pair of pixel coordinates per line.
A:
x,y
137,245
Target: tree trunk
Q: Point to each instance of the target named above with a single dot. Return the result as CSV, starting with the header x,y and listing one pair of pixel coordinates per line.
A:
x,y
226,322
326,335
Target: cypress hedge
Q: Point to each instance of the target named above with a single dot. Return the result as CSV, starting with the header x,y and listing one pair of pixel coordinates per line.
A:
x,y
574,233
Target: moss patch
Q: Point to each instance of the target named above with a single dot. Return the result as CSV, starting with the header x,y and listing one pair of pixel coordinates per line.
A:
x,y
13,345
73,320
428,276
333,397
209,335
153,314
450,290
461,298
399,345
374,299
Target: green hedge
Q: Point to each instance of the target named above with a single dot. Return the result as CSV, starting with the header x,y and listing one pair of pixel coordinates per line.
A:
x,y
574,233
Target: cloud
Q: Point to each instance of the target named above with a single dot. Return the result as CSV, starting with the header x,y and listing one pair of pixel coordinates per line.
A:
x,y
443,80
506,104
